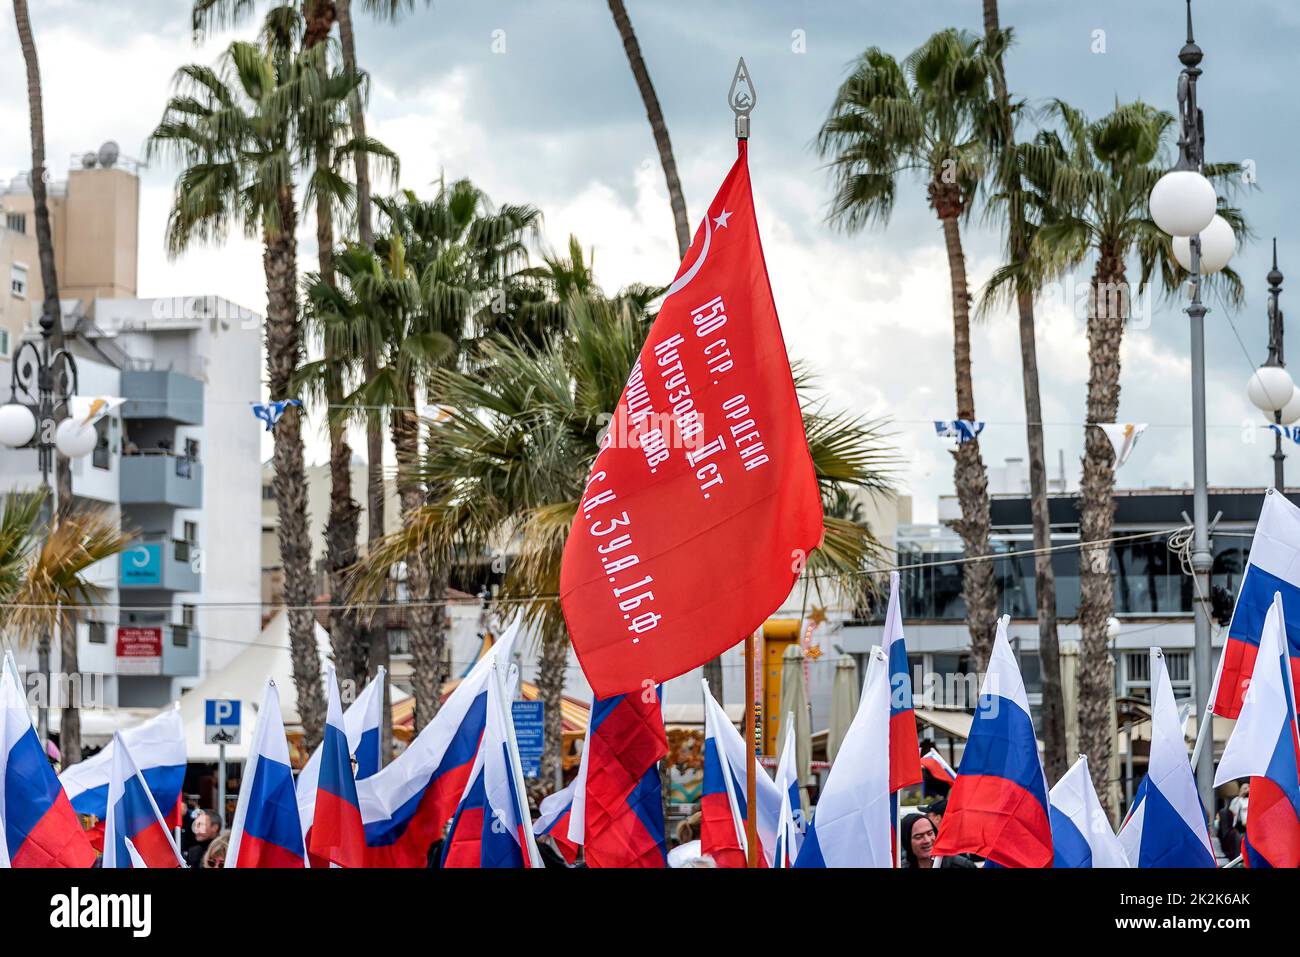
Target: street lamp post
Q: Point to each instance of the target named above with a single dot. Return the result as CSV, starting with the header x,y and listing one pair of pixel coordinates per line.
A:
x,y
1271,388
43,380
1183,203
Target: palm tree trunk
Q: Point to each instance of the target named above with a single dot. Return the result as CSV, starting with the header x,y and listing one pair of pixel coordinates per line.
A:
x,y
51,319
1108,308
427,639
36,112
1053,707
550,685
657,125
376,633
347,39
343,521
979,588
283,353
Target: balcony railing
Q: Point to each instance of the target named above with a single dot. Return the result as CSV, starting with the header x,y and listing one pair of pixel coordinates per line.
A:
x,y
158,476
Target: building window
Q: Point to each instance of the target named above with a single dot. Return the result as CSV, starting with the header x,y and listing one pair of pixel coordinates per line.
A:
x,y
1137,674
4,343
180,636
18,280
100,457
97,633
16,222
188,615
268,493
191,534
1179,664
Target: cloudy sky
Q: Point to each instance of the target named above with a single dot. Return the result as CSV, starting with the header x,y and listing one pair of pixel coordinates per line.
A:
x,y
534,101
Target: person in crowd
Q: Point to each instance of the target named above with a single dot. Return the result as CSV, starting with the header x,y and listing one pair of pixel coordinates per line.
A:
x,y
918,841
1225,829
934,811
192,808
1238,806
215,855
687,847
206,827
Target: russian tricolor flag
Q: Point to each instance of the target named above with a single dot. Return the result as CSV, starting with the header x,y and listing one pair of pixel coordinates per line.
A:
x,y
407,805
998,806
40,827
134,821
723,810
492,826
790,830
553,820
362,722
1166,827
157,747
852,825
337,835
932,763
1265,748
1273,567
618,813
266,831
904,749
1081,834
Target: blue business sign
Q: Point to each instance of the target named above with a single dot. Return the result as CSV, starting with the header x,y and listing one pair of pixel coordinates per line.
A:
x,y
142,564
529,716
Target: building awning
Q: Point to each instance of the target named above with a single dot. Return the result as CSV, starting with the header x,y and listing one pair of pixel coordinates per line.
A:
x,y
955,724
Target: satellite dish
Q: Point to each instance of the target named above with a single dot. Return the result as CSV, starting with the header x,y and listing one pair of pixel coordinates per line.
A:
x,y
108,154
88,161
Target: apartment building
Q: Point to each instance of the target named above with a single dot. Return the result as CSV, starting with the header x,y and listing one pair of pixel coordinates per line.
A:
x,y
95,225
178,462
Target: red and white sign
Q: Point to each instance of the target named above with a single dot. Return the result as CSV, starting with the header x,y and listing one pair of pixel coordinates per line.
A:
x,y
702,505
139,650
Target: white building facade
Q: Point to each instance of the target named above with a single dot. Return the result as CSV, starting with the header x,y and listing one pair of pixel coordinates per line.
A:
x,y
178,462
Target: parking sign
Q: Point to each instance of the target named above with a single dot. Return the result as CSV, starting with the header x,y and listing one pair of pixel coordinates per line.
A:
x,y
221,721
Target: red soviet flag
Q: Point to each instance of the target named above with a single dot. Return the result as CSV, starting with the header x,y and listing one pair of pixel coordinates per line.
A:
x,y
702,505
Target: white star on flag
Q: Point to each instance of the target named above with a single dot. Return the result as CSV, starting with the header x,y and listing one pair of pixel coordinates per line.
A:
x,y
721,219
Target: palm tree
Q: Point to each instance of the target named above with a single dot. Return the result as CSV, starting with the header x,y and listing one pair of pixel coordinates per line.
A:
x,y
243,132
657,126
376,638
333,151
51,312
44,584
1000,135
443,263
514,454
1091,181
341,524
924,116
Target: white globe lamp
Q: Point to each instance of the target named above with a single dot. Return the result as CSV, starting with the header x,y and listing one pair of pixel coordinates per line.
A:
x,y
74,439
1183,203
1217,245
17,425
1112,628
1291,411
1270,389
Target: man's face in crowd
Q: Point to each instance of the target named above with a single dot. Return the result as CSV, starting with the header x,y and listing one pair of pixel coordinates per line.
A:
x,y
204,827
